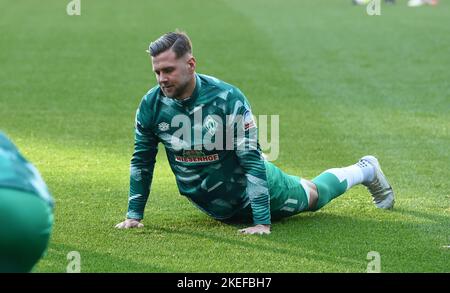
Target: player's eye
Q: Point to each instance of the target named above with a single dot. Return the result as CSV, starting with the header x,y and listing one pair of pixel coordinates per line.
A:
x,y
169,70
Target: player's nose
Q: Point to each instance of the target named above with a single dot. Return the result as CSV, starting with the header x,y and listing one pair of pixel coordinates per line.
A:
x,y
163,78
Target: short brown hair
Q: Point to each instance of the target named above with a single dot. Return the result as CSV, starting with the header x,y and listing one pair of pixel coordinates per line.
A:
x,y
178,41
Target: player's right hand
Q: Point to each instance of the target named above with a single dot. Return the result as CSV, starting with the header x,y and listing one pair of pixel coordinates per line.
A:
x,y
130,223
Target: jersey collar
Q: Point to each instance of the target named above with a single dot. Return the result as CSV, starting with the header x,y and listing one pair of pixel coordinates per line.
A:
x,y
195,93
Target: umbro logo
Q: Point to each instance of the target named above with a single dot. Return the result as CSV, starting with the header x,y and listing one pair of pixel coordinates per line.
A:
x,y
163,126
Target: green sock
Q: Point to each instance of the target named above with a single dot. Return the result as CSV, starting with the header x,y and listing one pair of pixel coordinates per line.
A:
x,y
329,187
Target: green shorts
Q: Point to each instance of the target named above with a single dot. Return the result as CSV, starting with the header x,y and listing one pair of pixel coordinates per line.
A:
x,y
25,228
289,195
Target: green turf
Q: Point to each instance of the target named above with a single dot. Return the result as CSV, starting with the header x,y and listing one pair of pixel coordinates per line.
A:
x,y
344,84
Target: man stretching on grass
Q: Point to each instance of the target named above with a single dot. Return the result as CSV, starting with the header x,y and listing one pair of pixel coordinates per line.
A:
x,y
193,116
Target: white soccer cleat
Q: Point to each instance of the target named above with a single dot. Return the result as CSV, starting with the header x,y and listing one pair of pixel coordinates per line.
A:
x,y
379,188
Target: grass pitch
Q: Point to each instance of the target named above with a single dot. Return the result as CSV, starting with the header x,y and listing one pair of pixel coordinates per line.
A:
x,y
345,84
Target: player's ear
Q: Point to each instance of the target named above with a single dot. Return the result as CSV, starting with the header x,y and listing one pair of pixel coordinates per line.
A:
x,y
191,63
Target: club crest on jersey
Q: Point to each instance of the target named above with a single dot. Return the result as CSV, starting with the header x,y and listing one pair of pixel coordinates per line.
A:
x,y
210,125
163,126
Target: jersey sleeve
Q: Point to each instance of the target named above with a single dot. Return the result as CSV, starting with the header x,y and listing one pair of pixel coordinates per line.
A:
x,y
250,158
142,162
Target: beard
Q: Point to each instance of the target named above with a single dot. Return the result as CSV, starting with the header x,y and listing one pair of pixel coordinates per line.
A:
x,y
178,91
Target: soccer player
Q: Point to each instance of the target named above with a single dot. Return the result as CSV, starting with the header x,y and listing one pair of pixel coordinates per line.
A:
x,y
233,183
26,211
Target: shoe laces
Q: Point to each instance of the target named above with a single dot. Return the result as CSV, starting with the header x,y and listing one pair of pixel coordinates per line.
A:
x,y
378,192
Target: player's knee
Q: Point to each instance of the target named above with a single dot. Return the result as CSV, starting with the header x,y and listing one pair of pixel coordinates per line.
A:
x,y
312,186
311,193
323,194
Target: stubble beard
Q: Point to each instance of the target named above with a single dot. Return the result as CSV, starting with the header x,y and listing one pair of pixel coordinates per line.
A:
x,y
180,90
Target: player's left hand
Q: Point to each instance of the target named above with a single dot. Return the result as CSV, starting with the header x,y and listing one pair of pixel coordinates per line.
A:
x,y
258,229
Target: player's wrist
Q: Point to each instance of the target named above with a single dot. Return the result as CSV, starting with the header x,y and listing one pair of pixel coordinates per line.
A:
x,y
134,215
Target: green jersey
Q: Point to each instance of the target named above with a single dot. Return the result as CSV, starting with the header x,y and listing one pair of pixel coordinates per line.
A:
x,y
17,173
211,145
